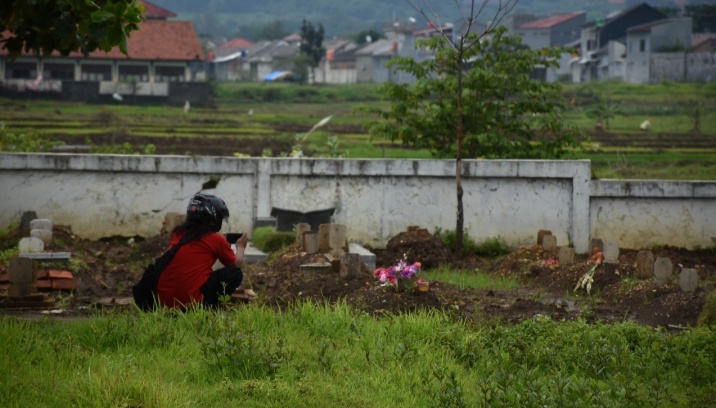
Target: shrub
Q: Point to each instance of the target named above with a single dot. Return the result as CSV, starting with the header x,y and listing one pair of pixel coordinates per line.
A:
x,y
267,239
707,316
491,247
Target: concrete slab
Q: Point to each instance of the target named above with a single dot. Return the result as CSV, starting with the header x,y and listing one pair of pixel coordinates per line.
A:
x,y
366,256
252,254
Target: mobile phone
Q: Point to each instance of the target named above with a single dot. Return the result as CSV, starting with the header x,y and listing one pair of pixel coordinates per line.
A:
x,y
232,237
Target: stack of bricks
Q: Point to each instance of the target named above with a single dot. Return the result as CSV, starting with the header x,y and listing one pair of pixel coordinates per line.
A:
x,y
55,279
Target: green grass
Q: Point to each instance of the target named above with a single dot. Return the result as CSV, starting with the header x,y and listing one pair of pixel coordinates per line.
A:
x,y
465,279
327,356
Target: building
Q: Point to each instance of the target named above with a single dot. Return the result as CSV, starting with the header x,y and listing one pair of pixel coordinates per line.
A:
x,y
162,52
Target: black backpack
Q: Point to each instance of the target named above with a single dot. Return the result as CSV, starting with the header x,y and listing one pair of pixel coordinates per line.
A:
x,y
145,291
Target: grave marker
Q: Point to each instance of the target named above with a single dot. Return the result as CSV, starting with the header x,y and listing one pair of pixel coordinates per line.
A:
x,y
663,270
688,280
644,264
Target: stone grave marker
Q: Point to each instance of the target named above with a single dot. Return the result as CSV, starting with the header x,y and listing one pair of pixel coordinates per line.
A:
x,y
41,223
611,251
44,235
310,242
663,270
644,264
22,277
332,239
549,242
565,255
350,265
688,280
27,217
31,245
541,234
301,227
596,242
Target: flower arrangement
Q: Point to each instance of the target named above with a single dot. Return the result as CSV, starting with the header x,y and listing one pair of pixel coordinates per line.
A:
x,y
401,275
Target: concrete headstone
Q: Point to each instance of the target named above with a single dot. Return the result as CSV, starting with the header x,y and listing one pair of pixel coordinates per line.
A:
x,y
31,245
42,234
350,265
541,234
27,217
301,227
565,255
310,242
644,264
663,270
688,280
549,242
611,251
332,239
41,223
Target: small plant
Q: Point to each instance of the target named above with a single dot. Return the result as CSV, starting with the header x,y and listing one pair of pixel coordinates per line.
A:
x,y
586,280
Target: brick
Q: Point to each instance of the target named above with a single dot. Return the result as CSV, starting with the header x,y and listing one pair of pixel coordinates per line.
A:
x,y
44,285
4,287
58,274
41,274
5,278
64,284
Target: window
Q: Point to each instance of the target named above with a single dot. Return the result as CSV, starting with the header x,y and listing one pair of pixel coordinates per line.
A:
x,y
59,71
169,74
137,73
96,72
21,70
642,45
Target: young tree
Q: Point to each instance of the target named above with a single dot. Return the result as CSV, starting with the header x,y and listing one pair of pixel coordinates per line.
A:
x,y
44,26
312,42
476,98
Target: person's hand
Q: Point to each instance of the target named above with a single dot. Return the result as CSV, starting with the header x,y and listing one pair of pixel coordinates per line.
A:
x,y
242,241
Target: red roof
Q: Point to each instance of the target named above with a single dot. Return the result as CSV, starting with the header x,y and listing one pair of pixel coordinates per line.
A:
x,y
158,40
152,11
236,43
552,21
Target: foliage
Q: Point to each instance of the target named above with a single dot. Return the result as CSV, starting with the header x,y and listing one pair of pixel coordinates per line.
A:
x,y
312,42
25,141
604,110
253,356
267,239
707,317
491,247
44,26
367,36
506,114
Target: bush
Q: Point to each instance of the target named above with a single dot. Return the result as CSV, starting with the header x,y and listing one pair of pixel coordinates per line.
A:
x,y
268,240
492,247
708,313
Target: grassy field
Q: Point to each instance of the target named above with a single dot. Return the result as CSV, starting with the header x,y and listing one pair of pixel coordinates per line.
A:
x,y
670,150
327,356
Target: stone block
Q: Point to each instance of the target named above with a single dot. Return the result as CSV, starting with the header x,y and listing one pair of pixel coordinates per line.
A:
x,y
22,277
59,274
644,264
301,227
549,242
350,265
611,251
663,270
688,280
310,242
596,242
41,223
42,234
64,284
367,257
315,268
27,217
332,239
566,256
541,234
31,245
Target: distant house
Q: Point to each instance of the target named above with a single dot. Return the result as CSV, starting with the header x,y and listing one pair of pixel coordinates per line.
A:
x,y
595,52
339,64
254,61
225,60
655,51
161,52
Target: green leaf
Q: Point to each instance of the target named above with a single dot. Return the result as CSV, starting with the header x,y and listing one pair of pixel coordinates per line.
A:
x,y
101,16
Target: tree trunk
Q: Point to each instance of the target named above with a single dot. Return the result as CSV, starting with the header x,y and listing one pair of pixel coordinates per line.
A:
x,y
458,161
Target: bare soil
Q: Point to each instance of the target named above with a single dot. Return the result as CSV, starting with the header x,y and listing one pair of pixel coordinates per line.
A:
x,y
106,269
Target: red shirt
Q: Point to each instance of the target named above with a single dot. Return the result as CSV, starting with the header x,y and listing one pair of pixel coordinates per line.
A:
x,y
180,283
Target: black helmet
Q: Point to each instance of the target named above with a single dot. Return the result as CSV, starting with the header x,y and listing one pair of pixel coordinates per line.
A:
x,y
207,208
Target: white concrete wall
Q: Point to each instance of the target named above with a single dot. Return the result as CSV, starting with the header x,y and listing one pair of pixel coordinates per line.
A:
x,y
119,195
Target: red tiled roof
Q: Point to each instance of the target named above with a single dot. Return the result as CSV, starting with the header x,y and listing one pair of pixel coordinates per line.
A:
x,y
236,43
552,21
158,40
152,11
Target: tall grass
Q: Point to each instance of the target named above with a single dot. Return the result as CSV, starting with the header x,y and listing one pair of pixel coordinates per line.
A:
x,y
465,279
323,355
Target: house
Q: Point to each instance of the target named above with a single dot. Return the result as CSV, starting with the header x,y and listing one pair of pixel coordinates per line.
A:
x,y
655,51
225,60
161,53
561,30
339,64
254,61
594,61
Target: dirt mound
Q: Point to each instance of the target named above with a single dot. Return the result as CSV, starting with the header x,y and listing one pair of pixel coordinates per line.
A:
x,y
417,245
